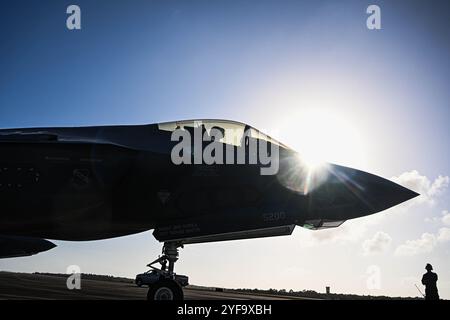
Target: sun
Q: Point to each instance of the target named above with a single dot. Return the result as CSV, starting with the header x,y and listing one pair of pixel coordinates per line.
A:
x,y
322,135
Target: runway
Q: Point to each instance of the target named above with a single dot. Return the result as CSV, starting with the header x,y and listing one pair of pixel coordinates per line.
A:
x,y
24,286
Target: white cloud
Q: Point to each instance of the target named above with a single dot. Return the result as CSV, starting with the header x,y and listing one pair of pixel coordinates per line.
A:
x,y
378,244
446,217
443,235
439,185
428,189
425,244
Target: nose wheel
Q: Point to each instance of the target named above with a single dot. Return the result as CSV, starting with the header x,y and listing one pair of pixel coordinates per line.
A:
x,y
167,287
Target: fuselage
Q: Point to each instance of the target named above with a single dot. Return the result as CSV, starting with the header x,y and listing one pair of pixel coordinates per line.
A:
x,y
102,182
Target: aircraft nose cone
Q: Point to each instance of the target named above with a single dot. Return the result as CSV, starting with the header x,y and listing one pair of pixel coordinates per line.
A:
x,y
349,193
384,193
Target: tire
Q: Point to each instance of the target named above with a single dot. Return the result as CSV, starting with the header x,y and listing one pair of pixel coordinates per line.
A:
x,y
165,290
139,283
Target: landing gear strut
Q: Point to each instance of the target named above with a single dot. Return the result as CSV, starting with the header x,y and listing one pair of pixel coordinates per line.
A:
x,y
168,287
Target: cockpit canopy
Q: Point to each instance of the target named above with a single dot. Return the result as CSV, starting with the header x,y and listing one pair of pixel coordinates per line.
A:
x,y
232,131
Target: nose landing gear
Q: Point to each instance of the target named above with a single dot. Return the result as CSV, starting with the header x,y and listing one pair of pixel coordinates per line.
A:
x,y
169,285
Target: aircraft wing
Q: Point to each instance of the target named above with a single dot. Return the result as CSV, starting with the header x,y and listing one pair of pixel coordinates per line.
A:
x,y
15,246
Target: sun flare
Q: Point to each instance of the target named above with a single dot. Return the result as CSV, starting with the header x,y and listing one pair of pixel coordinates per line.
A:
x,y
324,136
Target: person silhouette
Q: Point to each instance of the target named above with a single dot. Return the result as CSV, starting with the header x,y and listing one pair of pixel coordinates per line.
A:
x,y
429,280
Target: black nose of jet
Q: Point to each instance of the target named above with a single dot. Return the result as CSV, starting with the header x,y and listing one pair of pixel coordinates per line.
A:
x,y
381,193
336,193
348,193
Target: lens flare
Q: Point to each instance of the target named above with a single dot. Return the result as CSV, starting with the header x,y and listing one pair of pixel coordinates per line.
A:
x,y
302,174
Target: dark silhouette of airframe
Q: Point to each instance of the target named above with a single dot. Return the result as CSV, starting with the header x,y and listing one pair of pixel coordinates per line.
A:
x,y
88,183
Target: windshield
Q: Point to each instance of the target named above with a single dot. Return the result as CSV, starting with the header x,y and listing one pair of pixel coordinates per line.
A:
x,y
232,131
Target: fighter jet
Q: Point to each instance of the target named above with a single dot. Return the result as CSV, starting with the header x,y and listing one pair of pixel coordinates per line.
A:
x,y
100,182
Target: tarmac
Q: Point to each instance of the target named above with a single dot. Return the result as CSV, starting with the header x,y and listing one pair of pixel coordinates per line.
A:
x,y
25,286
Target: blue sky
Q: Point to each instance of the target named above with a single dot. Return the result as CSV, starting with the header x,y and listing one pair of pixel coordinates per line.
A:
x,y
308,72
